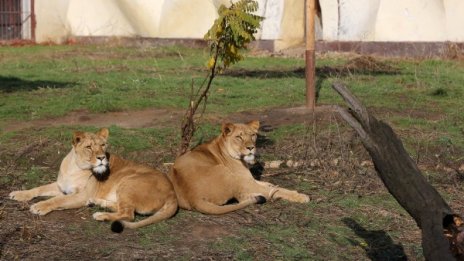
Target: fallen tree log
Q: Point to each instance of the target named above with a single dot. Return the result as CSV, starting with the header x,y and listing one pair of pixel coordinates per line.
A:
x,y
442,229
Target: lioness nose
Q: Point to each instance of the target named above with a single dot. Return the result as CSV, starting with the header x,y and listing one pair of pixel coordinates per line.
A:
x,y
250,147
101,157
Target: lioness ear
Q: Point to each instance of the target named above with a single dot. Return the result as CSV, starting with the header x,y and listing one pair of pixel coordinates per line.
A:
x,y
254,125
227,128
103,132
77,137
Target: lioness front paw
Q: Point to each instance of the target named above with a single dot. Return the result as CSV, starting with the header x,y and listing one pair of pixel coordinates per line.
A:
x,y
302,198
40,208
100,216
20,196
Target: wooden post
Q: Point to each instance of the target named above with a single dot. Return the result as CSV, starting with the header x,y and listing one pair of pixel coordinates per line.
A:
x,y
33,21
310,55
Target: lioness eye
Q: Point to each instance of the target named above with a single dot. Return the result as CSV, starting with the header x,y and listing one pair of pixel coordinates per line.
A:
x,y
239,137
88,147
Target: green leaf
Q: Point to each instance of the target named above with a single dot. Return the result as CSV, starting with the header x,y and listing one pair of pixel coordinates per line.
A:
x,y
232,31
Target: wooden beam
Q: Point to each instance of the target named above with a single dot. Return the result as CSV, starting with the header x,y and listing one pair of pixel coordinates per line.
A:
x,y
310,54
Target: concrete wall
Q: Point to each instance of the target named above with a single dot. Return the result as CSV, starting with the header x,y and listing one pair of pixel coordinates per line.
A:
x,y
393,20
52,23
412,20
58,20
342,20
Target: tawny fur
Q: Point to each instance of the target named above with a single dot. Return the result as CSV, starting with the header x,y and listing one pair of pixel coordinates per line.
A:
x,y
129,187
213,173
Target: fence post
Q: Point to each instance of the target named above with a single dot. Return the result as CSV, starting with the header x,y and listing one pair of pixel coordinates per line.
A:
x,y
310,55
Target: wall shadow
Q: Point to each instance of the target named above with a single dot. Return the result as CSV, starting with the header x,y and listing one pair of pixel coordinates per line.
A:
x,y
380,246
13,84
363,65
265,74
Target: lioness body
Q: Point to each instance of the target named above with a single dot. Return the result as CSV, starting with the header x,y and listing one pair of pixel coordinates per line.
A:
x,y
71,179
110,181
210,175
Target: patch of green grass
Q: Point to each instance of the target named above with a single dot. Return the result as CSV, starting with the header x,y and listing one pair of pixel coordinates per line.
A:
x,y
359,229
128,139
34,177
289,130
6,136
58,79
235,246
5,179
101,79
154,233
95,228
284,241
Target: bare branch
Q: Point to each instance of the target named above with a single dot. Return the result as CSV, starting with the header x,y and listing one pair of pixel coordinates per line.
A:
x,y
360,112
404,181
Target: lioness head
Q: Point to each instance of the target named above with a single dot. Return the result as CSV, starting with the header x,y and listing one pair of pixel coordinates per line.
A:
x,y
240,140
90,149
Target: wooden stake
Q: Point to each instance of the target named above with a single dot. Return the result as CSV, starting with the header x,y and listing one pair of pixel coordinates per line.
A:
x,y
310,54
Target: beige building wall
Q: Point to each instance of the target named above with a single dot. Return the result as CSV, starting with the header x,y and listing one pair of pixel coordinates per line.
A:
x,y
342,20
143,16
52,24
454,10
393,20
98,18
411,20
187,18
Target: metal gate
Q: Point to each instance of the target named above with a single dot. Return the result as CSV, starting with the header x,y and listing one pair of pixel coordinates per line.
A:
x,y
17,20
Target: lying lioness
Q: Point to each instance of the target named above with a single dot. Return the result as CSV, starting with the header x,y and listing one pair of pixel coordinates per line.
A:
x,y
210,175
90,175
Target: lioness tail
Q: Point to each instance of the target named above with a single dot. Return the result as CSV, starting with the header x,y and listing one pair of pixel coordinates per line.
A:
x,y
167,211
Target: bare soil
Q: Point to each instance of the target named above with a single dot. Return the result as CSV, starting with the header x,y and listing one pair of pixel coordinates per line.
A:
x,y
124,119
337,162
164,117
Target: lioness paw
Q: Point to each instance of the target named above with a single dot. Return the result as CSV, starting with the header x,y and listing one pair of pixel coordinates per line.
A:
x,y
302,198
19,196
100,216
40,209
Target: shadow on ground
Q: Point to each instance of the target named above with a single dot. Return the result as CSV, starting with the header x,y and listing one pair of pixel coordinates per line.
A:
x,y
359,65
13,84
379,245
363,65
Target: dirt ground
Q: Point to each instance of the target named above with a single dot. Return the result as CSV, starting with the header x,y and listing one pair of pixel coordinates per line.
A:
x,y
163,117
74,235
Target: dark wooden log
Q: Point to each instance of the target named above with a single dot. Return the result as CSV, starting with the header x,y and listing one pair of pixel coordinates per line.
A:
x,y
405,182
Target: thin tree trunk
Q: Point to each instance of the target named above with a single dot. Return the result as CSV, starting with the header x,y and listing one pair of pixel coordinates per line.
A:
x,y
404,181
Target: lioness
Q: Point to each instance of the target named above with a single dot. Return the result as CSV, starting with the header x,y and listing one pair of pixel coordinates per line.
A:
x,y
210,175
90,175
